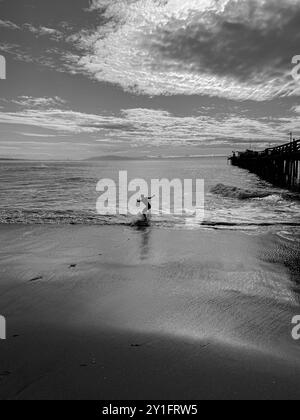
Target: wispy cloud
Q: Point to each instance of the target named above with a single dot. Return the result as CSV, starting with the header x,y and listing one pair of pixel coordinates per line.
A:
x,y
157,127
31,102
238,49
8,24
43,31
36,30
59,120
17,51
37,135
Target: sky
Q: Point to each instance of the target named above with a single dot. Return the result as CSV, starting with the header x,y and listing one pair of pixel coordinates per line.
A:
x,y
89,78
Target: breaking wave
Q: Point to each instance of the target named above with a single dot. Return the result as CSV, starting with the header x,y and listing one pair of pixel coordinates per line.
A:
x,y
71,217
239,193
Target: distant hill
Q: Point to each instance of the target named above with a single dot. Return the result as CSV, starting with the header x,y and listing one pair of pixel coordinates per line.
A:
x,y
120,158
9,159
112,157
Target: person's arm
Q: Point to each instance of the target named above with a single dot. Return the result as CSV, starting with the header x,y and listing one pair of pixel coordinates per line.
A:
x,y
150,198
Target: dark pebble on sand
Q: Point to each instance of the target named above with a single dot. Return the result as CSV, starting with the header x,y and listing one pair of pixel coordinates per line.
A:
x,y
36,279
5,373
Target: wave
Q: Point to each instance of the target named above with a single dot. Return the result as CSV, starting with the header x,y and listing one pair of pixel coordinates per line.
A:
x,y
62,217
238,193
249,224
74,217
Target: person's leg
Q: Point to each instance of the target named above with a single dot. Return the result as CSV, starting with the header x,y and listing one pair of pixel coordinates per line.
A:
x,y
145,214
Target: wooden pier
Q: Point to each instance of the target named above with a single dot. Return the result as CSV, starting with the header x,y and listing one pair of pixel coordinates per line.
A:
x,y
278,165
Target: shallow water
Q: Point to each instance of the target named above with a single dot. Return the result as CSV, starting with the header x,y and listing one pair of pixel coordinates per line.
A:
x,y
65,192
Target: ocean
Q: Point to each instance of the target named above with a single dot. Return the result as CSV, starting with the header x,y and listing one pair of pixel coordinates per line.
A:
x,y
65,193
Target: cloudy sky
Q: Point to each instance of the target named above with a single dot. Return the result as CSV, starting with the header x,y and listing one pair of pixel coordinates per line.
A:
x,y
147,77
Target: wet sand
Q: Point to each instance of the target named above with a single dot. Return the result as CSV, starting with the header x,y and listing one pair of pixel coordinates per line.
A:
x,y
119,313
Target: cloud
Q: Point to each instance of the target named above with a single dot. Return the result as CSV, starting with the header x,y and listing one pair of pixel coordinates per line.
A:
x,y
245,39
59,120
17,51
237,49
37,135
161,127
234,49
36,30
43,31
153,127
31,102
8,24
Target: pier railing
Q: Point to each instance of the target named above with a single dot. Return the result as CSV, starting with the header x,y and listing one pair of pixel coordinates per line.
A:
x,y
288,148
285,149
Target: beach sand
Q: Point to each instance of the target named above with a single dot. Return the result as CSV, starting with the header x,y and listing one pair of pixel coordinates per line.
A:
x,y
120,313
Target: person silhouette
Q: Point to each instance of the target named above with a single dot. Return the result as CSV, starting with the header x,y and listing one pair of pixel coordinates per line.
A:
x,y
145,200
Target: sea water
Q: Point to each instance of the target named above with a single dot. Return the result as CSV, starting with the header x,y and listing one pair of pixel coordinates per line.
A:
x,y
65,192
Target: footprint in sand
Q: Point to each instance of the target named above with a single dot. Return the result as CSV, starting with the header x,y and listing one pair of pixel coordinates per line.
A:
x,y
36,279
4,374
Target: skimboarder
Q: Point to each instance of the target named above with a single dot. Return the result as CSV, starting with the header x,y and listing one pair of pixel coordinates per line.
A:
x,y
147,208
